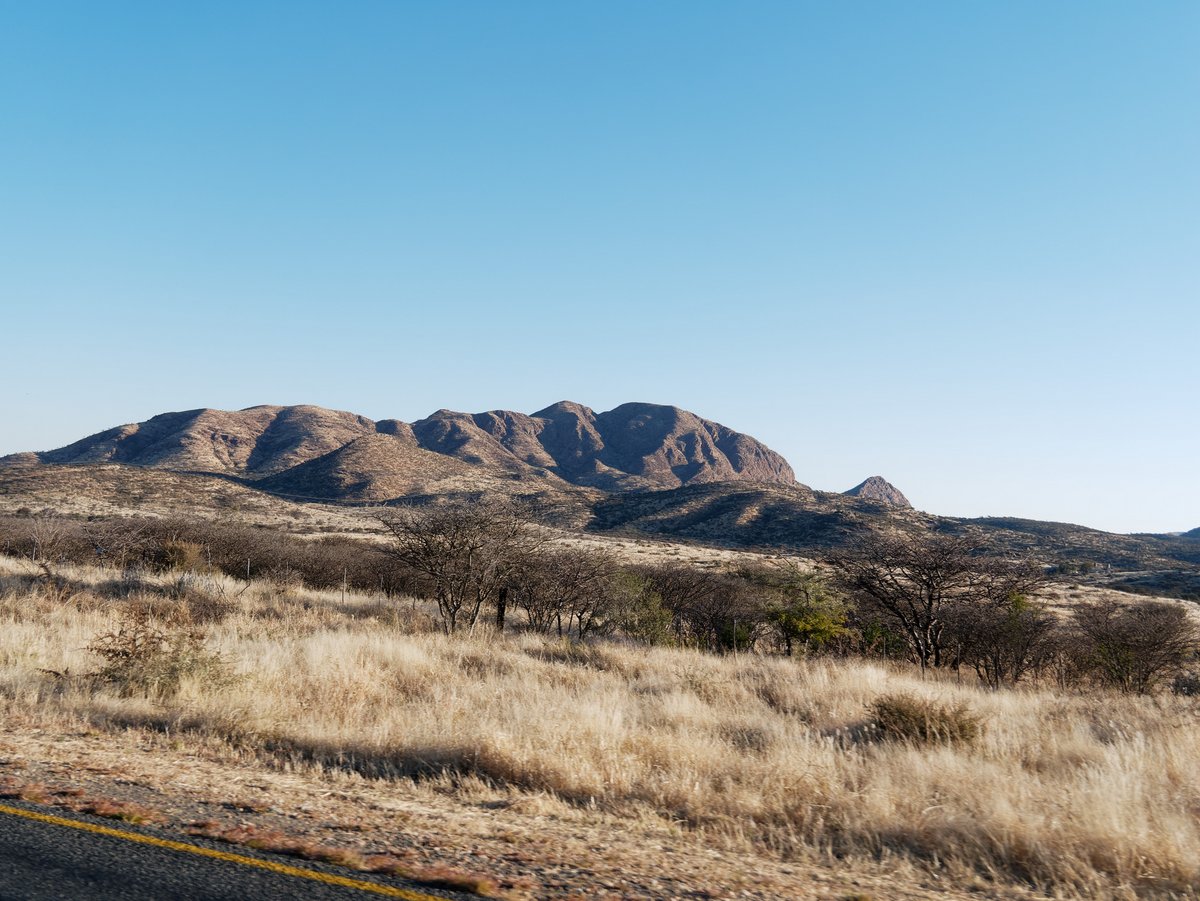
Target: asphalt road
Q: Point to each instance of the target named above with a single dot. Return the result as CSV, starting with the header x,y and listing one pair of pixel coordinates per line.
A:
x,y
58,862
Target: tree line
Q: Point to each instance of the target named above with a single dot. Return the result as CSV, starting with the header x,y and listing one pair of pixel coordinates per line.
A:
x,y
939,600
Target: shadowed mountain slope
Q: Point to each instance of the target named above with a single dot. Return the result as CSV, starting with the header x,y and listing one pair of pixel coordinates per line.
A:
x,y
760,516
379,468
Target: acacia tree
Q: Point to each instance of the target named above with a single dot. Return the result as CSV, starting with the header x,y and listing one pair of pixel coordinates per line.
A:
x,y
919,581
466,554
564,589
1003,642
709,610
1134,647
801,608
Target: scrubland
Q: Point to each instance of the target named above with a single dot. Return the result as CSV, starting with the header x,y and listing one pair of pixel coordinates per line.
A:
x,y
1071,794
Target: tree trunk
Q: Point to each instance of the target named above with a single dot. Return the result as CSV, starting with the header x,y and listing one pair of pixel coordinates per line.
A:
x,y
501,607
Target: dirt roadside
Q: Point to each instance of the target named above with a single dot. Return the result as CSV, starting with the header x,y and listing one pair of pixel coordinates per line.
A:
x,y
529,849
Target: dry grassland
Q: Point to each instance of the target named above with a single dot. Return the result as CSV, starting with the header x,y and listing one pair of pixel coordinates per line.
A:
x,y
770,759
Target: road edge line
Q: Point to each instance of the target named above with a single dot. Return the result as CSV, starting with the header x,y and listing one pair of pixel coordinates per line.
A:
x,y
270,865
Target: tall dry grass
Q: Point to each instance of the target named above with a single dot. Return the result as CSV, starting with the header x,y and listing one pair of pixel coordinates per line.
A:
x,y
1090,795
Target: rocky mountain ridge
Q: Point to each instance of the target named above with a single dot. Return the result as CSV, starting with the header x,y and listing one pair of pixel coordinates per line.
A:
x,y
331,454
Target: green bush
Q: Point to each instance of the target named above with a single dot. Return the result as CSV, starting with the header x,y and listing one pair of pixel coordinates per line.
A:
x,y
637,610
1134,647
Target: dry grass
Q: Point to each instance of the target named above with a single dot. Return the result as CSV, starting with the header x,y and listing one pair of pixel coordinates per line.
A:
x,y
74,799
279,842
118,810
1078,795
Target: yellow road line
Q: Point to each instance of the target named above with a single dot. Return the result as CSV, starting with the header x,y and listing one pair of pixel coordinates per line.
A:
x,y
284,869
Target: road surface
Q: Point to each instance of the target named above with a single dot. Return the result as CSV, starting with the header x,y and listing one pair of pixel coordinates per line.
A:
x,y
46,854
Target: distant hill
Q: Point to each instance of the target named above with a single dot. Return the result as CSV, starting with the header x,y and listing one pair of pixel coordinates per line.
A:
x,y
253,442
877,488
758,516
800,519
1193,535
636,446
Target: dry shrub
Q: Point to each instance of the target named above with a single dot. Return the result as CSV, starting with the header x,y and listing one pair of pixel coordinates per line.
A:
x,y
145,657
33,792
278,842
903,717
182,555
435,877
446,878
204,599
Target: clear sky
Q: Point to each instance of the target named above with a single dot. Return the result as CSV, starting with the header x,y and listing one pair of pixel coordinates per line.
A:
x,y
954,244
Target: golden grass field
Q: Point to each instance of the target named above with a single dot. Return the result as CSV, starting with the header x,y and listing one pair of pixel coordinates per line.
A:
x,y
1070,795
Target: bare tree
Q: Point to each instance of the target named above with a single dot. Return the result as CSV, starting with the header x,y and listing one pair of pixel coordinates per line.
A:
x,y
708,609
1003,642
116,542
917,581
1134,647
563,589
467,554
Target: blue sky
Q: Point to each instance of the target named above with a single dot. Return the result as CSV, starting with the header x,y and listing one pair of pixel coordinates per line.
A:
x,y
954,244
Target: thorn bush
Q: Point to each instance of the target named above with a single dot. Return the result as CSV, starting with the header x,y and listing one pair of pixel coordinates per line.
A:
x,y
145,657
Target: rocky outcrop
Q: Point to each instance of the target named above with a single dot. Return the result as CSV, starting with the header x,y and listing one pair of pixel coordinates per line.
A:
x,y
635,446
877,488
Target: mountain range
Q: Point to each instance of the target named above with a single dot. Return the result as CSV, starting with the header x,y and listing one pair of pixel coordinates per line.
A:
x,y
334,455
